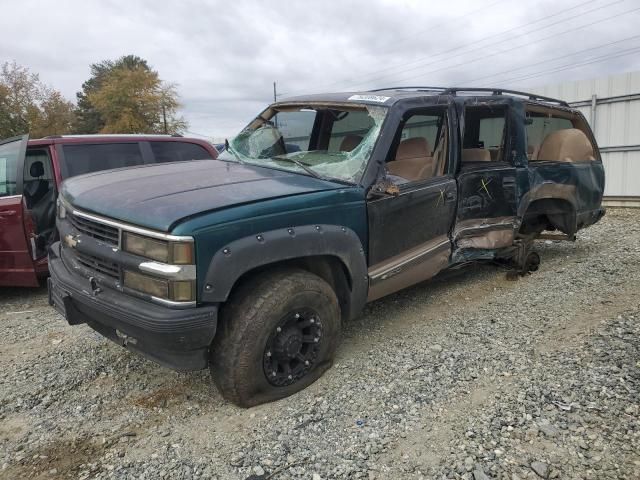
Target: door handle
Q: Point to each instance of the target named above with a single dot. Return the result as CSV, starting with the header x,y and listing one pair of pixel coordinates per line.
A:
x,y
7,213
508,182
450,197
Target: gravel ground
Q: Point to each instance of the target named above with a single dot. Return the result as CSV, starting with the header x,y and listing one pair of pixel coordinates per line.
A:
x,y
471,375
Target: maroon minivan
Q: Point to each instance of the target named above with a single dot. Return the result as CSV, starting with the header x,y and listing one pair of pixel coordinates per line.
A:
x,y
32,170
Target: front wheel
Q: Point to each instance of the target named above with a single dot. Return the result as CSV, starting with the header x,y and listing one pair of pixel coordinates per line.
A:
x,y
277,335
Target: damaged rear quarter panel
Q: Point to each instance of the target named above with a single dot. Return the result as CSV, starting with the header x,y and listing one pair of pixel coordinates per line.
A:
x,y
581,184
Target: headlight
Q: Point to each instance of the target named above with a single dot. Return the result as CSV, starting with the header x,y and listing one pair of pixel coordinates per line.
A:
x,y
174,290
174,253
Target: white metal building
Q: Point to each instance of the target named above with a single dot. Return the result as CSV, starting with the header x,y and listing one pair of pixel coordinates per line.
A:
x,y
612,106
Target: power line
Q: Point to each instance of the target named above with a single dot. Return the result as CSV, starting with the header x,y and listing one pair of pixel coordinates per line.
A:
x,y
564,32
503,41
439,25
568,66
496,74
463,46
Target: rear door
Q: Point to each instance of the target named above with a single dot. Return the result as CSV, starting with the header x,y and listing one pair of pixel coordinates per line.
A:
x,y
487,183
16,264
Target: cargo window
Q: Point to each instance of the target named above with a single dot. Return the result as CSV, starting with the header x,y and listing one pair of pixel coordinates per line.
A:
x,y
80,159
178,152
558,136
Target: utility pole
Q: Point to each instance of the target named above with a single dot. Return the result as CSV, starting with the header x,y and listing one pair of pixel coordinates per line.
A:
x,y
164,118
275,99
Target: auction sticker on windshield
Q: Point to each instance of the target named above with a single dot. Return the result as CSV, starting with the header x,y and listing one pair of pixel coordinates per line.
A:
x,y
369,98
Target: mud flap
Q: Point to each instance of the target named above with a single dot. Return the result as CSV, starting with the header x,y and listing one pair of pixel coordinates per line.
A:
x,y
63,303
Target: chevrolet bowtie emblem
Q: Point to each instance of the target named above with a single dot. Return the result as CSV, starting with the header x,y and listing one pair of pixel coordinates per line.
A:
x,y
71,241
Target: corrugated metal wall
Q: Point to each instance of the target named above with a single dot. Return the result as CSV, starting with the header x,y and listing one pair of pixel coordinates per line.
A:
x,y
617,125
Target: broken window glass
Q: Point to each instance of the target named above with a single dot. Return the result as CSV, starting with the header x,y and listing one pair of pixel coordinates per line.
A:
x,y
326,141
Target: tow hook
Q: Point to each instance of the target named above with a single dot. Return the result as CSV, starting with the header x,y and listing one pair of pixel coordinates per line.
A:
x,y
125,339
95,288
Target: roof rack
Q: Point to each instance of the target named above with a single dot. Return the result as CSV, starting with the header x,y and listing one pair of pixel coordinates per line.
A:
x,y
420,89
502,91
494,91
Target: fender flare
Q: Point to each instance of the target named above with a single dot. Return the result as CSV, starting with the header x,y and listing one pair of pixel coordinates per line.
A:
x,y
247,253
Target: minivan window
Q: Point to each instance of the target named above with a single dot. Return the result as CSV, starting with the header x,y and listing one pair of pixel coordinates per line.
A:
x,y
80,159
178,152
8,168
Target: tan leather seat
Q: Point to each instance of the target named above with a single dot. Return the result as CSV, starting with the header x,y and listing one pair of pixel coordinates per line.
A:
x,y
413,160
349,142
475,155
568,145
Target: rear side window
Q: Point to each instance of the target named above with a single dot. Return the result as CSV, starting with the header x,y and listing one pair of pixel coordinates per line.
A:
x,y
178,152
8,168
80,159
484,134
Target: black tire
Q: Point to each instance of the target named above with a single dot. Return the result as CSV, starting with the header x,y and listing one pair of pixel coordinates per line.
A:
x,y
248,324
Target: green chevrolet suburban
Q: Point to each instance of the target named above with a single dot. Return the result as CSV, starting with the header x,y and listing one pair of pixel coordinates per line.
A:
x,y
250,264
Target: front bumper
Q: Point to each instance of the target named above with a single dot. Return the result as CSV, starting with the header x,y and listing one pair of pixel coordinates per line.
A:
x,y
178,339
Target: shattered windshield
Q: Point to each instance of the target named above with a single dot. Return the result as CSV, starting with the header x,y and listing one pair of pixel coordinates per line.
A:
x,y
332,142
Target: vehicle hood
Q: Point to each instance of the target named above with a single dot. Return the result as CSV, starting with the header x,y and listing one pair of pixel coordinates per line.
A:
x,y
158,196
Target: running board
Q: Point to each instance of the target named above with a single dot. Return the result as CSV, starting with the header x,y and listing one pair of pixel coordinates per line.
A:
x,y
556,236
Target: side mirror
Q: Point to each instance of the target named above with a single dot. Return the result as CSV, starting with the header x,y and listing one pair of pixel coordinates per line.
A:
x,y
383,188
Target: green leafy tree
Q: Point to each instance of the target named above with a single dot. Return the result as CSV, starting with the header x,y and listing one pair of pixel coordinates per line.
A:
x,y
27,105
127,96
88,118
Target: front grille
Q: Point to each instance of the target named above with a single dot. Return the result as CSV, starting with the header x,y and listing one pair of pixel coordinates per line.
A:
x,y
99,265
97,230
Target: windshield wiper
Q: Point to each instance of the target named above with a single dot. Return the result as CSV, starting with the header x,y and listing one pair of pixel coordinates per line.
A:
x,y
307,169
228,148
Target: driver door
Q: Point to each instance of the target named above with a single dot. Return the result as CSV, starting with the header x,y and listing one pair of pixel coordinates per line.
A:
x,y
409,228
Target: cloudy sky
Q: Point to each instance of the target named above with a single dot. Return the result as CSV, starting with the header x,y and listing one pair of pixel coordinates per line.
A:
x,y
224,56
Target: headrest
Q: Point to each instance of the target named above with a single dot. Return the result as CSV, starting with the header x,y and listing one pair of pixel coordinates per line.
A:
x,y
475,155
37,169
349,142
567,145
413,148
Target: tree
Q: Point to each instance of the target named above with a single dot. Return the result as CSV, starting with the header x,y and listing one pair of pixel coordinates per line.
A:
x,y
88,119
127,96
56,116
27,105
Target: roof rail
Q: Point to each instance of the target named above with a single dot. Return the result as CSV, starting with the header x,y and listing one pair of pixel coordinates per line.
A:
x,y
53,136
427,89
502,91
494,91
